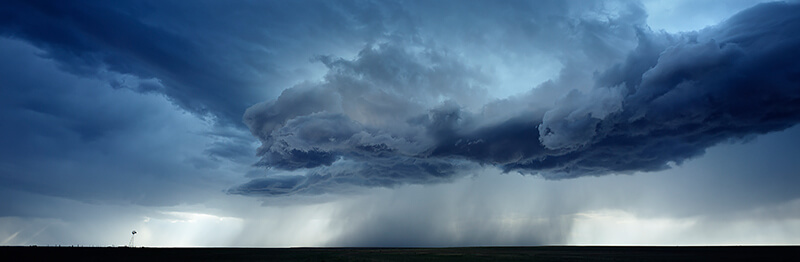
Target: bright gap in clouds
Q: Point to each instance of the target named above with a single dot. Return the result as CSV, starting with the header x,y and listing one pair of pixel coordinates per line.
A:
x,y
676,16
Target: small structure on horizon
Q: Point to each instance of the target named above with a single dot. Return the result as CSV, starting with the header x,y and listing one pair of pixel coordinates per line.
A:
x,y
133,234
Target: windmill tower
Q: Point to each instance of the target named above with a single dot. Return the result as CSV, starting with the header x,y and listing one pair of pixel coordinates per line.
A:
x,y
133,234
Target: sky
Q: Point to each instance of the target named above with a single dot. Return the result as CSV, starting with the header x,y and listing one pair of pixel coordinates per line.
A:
x,y
399,123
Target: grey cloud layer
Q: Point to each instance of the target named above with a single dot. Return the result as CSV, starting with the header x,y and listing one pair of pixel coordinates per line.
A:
x,y
209,58
75,137
396,115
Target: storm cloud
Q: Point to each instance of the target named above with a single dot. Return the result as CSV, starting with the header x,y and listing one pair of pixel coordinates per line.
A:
x,y
215,73
399,123
413,113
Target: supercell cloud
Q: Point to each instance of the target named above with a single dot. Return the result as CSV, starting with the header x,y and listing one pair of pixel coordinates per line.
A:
x,y
253,123
405,110
424,92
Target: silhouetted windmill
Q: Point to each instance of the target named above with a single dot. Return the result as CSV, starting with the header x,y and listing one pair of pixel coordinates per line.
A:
x,y
133,234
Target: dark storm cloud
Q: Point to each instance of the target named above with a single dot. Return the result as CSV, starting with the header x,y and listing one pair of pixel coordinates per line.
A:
x,y
74,137
212,59
736,79
668,100
217,71
346,177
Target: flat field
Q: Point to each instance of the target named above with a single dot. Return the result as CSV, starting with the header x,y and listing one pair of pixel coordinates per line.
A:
x,y
544,253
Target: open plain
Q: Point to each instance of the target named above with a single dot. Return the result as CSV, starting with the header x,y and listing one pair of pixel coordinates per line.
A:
x,y
544,253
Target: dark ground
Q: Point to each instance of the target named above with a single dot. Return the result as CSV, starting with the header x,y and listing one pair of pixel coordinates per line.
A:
x,y
546,253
